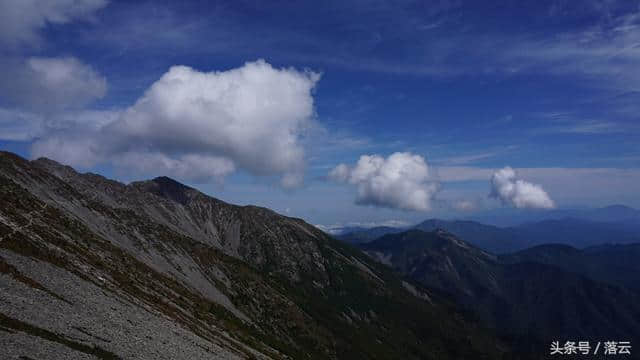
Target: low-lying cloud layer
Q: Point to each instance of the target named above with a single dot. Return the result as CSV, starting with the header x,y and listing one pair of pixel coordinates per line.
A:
x,y
338,229
401,181
517,192
202,126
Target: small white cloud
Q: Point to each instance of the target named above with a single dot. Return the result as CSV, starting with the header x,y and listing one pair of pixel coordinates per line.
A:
x,y
464,205
340,173
194,125
50,84
519,193
400,181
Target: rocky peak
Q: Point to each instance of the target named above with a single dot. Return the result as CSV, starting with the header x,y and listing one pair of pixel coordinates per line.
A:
x,y
55,168
168,188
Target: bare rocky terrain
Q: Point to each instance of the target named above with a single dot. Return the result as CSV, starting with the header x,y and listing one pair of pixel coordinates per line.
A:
x,y
93,268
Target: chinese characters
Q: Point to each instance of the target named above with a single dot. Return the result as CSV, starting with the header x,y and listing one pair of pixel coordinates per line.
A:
x,y
587,348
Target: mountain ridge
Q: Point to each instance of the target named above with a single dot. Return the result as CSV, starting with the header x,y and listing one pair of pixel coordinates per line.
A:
x,y
531,301
227,281
575,232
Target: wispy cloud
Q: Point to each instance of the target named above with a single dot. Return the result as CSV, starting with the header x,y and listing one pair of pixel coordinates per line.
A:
x,y
22,21
463,173
589,127
571,122
431,37
605,53
465,159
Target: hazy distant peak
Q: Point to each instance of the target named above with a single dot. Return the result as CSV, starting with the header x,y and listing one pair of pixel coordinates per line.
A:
x,y
618,207
561,248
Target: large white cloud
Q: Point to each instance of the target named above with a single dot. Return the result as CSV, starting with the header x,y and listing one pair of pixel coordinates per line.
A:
x,y
21,20
517,192
401,181
195,125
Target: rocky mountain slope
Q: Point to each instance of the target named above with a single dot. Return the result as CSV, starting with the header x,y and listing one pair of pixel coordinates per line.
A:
x,y
92,268
487,237
532,303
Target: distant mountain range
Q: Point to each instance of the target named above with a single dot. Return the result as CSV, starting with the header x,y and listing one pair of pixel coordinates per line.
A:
x,y
505,217
613,264
575,232
532,297
93,268
362,235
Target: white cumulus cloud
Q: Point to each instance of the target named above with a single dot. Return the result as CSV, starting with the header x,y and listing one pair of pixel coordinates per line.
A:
x,y
196,125
401,181
517,192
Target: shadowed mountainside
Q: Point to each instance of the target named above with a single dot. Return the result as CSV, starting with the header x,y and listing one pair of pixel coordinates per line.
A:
x,y
613,264
533,303
90,267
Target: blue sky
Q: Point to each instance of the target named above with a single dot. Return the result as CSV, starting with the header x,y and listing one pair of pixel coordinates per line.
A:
x,y
548,88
